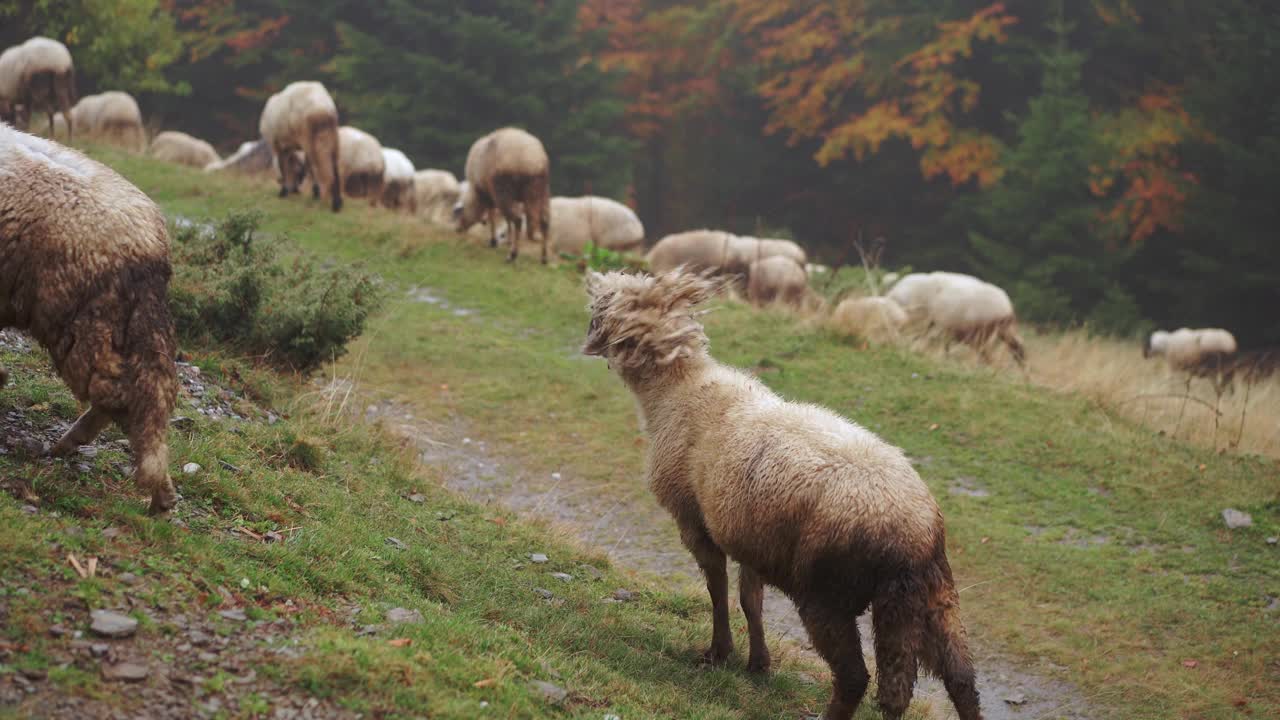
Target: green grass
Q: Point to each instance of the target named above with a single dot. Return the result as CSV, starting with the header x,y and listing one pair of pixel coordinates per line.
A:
x,y
485,633
1169,584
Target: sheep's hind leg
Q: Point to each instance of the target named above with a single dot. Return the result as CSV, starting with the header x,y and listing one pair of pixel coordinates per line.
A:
x,y
149,442
712,561
751,595
83,431
834,633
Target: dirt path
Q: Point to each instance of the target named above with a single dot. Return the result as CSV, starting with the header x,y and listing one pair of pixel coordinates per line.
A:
x,y
637,534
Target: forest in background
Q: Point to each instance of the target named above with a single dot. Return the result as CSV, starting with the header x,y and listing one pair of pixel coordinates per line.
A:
x,y
1109,162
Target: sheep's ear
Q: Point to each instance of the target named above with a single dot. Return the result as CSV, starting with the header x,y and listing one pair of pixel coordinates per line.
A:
x,y
593,283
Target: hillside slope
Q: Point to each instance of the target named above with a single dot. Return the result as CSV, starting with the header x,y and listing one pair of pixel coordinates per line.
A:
x,y
1087,547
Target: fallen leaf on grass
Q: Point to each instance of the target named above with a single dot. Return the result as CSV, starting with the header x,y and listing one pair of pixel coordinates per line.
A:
x,y
500,522
400,642
933,426
984,540
1190,664
487,682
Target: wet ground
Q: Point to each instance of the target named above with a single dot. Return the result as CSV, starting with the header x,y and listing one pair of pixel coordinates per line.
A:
x,y
637,534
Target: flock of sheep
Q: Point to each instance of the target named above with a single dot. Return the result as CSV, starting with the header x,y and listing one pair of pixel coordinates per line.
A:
x,y
803,499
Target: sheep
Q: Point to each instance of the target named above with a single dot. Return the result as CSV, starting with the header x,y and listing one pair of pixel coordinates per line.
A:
x,y
577,222
777,278
360,164
508,172
761,248
45,81
695,250
11,67
179,147
1206,353
84,268
251,158
436,192
973,312
874,318
111,117
397,181
302,117
803,499
962,307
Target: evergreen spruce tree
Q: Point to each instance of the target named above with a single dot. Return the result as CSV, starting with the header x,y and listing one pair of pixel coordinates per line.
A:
x,y
431,77
1036,231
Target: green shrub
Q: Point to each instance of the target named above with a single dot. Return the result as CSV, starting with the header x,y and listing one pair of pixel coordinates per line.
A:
x,y
603,260
234,287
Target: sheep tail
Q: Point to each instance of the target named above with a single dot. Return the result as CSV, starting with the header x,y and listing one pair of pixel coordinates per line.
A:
x,y
322,154
916,616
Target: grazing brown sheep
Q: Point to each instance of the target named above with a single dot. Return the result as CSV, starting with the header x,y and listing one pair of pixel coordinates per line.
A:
x,y
84,268
803,499
302,117
48,82
360,164
508,172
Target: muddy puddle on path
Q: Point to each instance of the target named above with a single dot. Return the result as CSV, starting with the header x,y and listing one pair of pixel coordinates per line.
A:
x,y
638,535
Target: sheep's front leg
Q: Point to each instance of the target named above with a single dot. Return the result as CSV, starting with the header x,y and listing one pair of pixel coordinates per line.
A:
x,y
751,595
712,561
83,431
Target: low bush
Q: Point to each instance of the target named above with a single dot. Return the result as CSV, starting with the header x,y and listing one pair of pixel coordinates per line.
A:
x,y
259,295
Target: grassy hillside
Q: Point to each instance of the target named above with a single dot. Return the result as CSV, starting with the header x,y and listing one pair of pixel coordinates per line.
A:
x,y
1087,546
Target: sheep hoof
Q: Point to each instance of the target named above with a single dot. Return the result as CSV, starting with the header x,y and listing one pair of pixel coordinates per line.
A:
x,y
511,258
284,191
162,501
493,242
716,655
759,665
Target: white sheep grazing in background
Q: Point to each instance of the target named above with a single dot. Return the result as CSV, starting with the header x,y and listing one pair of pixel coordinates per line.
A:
x,y
591,220
577,222
301,121
1205,352
183,149
695,250
112,117
435,193
970,311
777,279
874,318
754,248
46,81
10,77
962,307
360,164
397,181
251,158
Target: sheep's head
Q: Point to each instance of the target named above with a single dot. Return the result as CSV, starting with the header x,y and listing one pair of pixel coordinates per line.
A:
x,y
640,322
466,210
292,167
1156,343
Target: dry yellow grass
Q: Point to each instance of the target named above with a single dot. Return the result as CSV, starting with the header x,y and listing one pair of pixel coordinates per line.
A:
x,y
1115,375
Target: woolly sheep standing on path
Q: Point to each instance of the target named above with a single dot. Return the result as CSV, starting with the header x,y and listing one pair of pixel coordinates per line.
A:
x,y
397,181
803,499
360,164
179,147
508,172
111,116
302,117
84,268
